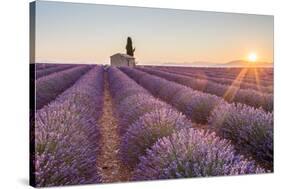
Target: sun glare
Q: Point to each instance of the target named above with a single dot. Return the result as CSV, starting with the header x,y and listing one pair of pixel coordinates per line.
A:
x,y
252,57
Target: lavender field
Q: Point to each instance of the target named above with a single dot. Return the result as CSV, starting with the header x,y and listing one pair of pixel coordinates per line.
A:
x,y
104,124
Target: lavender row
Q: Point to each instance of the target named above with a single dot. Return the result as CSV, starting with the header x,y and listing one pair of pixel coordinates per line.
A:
x,y
249,75
229,93
142,118
154,120
194,104
53,69
41,66
265,74
90,88
49,87
192,153
224,80
67,134
249,128
199,107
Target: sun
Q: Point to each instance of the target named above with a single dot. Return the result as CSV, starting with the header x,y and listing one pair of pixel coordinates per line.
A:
x,y
252,57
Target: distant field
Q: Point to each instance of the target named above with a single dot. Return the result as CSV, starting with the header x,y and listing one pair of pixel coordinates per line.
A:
x,y
97,124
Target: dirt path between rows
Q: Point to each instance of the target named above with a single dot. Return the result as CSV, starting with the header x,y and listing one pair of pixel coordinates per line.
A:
x,y
109,165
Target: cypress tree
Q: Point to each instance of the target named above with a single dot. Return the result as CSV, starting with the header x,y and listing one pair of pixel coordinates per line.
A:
x,y
129,47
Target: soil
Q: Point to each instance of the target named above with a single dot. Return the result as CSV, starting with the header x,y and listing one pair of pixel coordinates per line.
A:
x,y
200,126
109,165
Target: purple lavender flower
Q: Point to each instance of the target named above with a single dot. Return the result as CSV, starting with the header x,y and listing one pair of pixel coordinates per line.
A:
x,y
65,146
196,105
200,107
144,133
250,129
52,69
49,87
235,94
213,75
192,153
42,66
67,134
129,113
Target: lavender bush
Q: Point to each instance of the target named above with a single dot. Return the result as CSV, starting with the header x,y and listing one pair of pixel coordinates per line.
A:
x,y
250,129
124,89
130,99
41,66
196,105
129,91
192,153
129,112
199,106
67,134
142,134
180,99
246,96
153,87
268,102
66,145
88,90
252,99
219,79
49,87
227,76
52,69
168,95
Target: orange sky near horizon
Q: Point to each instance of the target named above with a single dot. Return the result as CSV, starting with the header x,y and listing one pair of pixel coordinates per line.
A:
x,y
88,33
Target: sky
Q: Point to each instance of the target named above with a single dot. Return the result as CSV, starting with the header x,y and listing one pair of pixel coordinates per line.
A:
x,y
90,33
